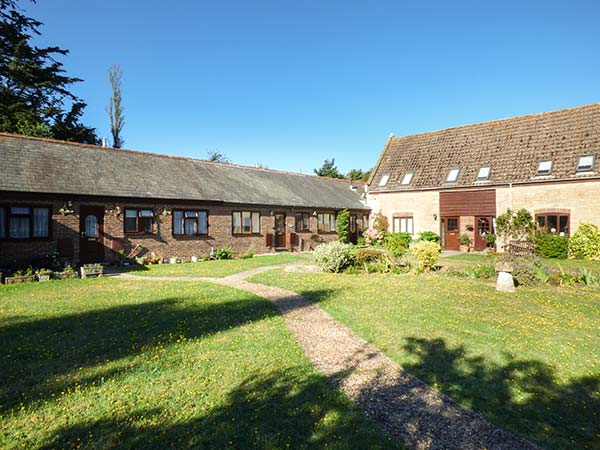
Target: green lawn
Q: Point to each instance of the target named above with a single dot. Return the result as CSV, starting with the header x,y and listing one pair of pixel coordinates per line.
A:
x,y
217,269
529,361
472,259
109,363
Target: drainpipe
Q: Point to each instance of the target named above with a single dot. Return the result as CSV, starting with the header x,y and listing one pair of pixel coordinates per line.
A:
x,y
510,202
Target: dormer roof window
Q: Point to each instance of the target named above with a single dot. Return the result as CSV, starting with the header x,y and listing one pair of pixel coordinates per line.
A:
x,y
452,176
407,178
484,173
545,167
384,180
585,163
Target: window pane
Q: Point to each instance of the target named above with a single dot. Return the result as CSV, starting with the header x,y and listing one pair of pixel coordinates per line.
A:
x,y
177,222
483,173
191,214
452,225
298,222
237,222
545,167
585,162
19,210
246,219
563,222
552,223
407,178
202,222
41,228
255,222
146,213
146,224
2,223
384,180
131,224
541,221
19,227
306,220
452,175
409,225
91,226
332,219
129,213
191,226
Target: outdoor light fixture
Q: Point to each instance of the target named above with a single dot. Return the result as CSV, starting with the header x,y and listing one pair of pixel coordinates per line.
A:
x,y
434,216
67,208
314,213
114,209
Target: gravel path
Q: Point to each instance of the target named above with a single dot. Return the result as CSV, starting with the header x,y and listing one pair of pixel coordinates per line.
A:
x,y
418,415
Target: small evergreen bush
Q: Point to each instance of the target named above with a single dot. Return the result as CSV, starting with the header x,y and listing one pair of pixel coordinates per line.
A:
x,y
395,244
429,236
343,226
585,243
427,253
550,245
333,256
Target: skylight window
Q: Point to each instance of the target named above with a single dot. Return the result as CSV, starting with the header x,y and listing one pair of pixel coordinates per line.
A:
x,y
585,163
484,173
545,167
384,180
452,175
407,178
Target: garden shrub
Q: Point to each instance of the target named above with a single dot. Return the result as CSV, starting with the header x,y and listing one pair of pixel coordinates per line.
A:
x,y
585,243
429,236
249,254
333,256
395,244
224,253
515,225
374,237
372,260
464,239
550,245
361,241
588,278
380,223
427,253
481,271
343,226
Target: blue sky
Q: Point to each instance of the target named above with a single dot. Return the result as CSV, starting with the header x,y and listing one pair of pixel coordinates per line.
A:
x,y
290,83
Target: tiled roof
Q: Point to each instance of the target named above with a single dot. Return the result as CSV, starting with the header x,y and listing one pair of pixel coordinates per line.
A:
x,y
511,147
47,166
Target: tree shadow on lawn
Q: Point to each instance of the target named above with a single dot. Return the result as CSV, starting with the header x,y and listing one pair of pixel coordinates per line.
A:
x,y
524,396
36,353
284,409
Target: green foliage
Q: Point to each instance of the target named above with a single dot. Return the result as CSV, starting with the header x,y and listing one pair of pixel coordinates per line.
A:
x,y
361,241
585,243
333,256
490,238
224,253
427,253
115,107
588,278
380,223
541,274
396,245
518,226
216,156
464,239
480,271
329,169
429,236
358,175
248,254
550,245
35,95
343,226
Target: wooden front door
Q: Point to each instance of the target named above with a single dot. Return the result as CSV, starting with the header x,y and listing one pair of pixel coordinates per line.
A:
x,y
279,230
91,234
451,227
483,227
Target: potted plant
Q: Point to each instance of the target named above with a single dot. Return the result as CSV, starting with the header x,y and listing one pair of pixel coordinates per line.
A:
x,y
490,239
465,242
88,270
20,276
69,272
43,274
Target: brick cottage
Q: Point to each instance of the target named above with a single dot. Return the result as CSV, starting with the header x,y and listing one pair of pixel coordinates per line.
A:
x,y
86,203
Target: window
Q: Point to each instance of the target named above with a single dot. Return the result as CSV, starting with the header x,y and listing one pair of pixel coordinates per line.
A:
x,y
452,224
139,221
326,223
407,178
452,175
91,226
553,222
545,167
302,222
245,222
190,223
365,222
24,222
384,180
352,224
403,225
484,173
585,163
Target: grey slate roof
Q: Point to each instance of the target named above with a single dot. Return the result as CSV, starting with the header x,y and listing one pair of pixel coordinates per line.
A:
x,y
512,147
47,166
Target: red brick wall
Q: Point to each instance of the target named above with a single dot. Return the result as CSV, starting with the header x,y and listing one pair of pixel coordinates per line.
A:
x,y
162,243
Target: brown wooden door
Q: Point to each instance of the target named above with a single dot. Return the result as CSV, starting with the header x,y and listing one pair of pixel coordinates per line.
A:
x,y
279,230
483,227
451,227
91,234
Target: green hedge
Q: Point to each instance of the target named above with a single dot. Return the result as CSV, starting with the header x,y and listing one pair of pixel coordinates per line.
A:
x,y
549,245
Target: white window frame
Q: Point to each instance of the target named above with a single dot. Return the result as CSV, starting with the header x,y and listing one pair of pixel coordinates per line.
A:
x,y
384,180
541,171
488,173
403,224
455,171
586,167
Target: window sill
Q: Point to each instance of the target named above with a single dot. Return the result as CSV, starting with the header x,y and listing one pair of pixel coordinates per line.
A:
x,y
141,235
245,234
190,237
